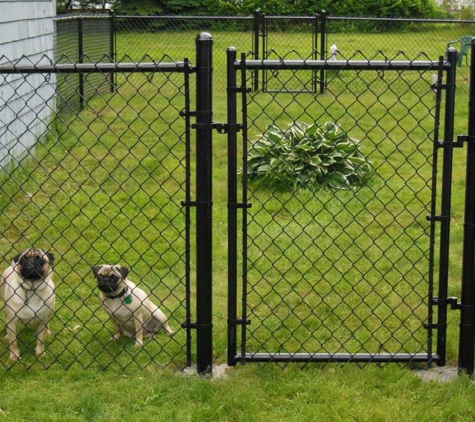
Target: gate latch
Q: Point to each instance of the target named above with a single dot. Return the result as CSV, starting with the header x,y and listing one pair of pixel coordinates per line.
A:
x,y
458,143
452,301
463,138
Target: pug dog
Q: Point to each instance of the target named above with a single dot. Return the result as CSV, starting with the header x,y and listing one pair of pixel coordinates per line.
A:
x,y
29,296
131,311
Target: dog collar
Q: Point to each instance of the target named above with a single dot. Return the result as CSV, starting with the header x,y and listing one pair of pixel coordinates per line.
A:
x,y
32,288
122,293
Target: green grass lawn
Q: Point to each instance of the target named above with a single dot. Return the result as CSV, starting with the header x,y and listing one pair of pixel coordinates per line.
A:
x,y
115,196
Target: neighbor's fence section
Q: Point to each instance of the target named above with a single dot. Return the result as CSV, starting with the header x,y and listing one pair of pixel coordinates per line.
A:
x,y
156,36
83,39
108,185
265,36
367,38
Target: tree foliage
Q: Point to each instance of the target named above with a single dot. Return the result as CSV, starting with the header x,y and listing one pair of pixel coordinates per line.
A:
x,y
374,8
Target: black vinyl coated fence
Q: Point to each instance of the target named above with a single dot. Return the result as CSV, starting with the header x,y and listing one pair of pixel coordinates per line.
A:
x,y
321,272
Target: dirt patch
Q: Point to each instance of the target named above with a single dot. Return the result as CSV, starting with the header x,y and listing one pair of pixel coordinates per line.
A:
x,y
219,371
441,374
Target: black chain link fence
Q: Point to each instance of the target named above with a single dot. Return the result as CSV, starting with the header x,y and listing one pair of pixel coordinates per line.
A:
x,y
103,187
330,270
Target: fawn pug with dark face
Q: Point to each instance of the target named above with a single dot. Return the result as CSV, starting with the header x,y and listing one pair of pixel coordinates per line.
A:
x,y
131,311
29,297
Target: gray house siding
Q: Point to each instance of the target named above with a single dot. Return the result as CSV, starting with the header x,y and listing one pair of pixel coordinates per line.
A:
x,y
26,102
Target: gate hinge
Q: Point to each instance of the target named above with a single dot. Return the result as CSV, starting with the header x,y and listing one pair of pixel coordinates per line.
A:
x,y
241,89
197,203
452,301
433,326
438,218
196,326
238,205
194,113
239,321
222,128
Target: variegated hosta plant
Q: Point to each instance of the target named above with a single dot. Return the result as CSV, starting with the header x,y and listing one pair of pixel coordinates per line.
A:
x,y
307,156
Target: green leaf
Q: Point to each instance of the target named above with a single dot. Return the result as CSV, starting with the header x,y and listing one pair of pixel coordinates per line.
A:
x,y
336,180
315,161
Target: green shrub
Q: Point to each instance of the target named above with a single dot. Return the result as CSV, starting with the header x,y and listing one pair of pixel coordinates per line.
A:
x,y
307,156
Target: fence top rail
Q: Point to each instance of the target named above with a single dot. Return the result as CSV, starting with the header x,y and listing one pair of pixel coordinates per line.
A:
x,y
179,67
188,17
76,16
372,19
274,17
342,64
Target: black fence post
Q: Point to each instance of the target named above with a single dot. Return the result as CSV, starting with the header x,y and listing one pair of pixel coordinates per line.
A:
x,y
444,217
81,60
467,316
257,32
315,52
323,41
112,48
204,137
264,51
232,205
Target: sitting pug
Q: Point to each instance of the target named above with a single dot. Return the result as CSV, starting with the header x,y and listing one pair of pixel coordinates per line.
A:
x,y
131,311
29,297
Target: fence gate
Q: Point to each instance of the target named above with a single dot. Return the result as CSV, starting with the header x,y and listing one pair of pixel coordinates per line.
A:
x,y
336,271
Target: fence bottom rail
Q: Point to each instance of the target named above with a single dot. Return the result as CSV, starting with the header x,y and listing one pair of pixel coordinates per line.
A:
x,y
338,357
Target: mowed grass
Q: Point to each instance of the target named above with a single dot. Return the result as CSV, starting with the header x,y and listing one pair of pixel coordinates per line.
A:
x,y
115,196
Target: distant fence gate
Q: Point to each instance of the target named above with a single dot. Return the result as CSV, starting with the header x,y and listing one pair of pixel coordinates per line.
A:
x,y
326,272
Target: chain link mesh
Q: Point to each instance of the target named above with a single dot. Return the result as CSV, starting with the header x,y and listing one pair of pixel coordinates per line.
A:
x,y
102,187
345,270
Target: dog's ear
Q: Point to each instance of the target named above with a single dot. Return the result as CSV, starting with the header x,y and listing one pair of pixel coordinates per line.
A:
x,y
16,258
96,269
124,272
51,258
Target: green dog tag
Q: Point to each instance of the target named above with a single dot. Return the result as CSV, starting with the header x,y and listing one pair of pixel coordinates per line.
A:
x,y
128,300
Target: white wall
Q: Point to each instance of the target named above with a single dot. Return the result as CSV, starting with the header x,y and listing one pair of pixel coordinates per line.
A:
x,y
26,101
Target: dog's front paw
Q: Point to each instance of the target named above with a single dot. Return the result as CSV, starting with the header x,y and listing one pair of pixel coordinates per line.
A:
x,y
15,356
39,351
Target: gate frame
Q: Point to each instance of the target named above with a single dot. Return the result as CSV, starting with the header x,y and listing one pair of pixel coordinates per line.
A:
x,y
442,301
466,358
